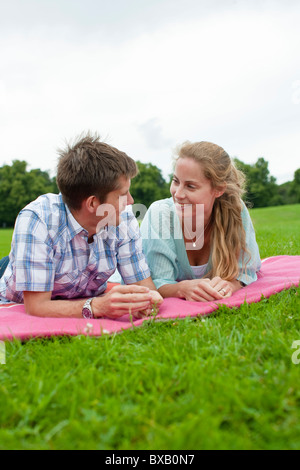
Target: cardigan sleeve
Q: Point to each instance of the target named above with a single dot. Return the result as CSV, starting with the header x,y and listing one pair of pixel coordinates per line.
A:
x,y
158,244
250,262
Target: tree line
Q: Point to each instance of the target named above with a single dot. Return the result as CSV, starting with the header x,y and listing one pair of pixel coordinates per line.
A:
x,y
19,186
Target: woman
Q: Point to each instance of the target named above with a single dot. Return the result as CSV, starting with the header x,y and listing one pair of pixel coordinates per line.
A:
x,y
200,243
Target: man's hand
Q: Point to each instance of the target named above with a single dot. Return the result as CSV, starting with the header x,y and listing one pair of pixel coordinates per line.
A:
x,y
123,300
156,298
156,301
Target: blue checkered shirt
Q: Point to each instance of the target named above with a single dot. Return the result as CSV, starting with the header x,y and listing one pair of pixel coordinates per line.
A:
x,y
50,253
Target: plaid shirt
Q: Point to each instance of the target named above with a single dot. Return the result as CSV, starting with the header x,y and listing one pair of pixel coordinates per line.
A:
x,y
50,253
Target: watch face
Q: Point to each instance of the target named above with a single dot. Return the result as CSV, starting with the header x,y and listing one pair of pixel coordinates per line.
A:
x,y
86,313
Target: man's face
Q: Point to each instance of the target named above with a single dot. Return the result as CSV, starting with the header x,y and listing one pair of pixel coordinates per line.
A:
x,y
115,204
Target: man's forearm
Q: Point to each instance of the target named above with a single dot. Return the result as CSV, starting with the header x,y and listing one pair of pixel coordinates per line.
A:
x,y
121,300
39,306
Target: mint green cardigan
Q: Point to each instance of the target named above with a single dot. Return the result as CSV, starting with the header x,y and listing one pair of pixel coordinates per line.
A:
x,y
165,251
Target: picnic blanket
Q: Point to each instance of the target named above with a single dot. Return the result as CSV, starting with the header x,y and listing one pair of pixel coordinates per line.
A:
x,y
277,273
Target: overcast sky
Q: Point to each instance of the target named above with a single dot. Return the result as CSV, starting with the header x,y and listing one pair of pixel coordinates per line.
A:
x,y
148,75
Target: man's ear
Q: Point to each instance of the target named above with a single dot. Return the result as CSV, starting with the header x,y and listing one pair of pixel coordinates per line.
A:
x,y
91,204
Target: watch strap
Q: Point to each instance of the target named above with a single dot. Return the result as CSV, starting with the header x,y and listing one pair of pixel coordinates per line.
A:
x,y
87,311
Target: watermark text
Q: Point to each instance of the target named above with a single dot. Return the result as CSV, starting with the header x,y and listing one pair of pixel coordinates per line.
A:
x,y
296,354
186,220
2,353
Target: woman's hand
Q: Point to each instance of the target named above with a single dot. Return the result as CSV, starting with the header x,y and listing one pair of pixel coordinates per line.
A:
x,y
199,290
224,288
207,290
227,288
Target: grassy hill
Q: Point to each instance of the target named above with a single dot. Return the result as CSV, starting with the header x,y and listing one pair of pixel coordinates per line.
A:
x,y
224,382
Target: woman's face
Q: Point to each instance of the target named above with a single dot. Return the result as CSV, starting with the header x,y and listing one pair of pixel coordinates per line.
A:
x,y
189,186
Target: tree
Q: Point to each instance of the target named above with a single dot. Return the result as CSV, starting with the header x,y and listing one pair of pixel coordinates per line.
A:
x,y
18,187
295,187
262,189
149,185
284,191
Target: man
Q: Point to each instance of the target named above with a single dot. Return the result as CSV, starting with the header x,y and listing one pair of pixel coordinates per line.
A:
x,y
65,247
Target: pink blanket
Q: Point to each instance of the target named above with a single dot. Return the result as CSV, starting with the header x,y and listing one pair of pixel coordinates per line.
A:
x,y
277,273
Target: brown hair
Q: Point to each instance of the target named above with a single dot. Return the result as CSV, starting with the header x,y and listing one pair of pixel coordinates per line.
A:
x,y
91,168
228,234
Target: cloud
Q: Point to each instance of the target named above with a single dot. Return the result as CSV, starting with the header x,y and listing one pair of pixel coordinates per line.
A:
x,y
225,76
152,132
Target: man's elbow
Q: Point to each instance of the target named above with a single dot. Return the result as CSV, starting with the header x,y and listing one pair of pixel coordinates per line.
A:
x,y
35,303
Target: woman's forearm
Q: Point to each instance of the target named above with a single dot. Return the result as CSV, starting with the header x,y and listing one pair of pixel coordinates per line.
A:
x,y
172,290
235,285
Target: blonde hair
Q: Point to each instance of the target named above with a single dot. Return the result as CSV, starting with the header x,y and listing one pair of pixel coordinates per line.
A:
x,y
228,234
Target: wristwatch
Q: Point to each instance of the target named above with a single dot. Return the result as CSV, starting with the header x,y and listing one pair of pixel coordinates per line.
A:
x,y
87,311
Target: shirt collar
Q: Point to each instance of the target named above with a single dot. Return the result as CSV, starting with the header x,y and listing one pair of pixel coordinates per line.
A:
x,y
106,232
74,227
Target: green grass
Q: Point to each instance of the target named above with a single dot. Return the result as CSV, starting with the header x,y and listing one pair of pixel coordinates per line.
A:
x,y
226,382
277,230
5,240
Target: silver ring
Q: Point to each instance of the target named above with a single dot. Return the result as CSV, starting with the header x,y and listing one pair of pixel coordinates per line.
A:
x,y
223,290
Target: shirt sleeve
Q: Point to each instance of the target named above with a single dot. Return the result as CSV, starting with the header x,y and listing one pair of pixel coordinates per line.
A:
x,y
249,262
131,261
32,254
158,244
